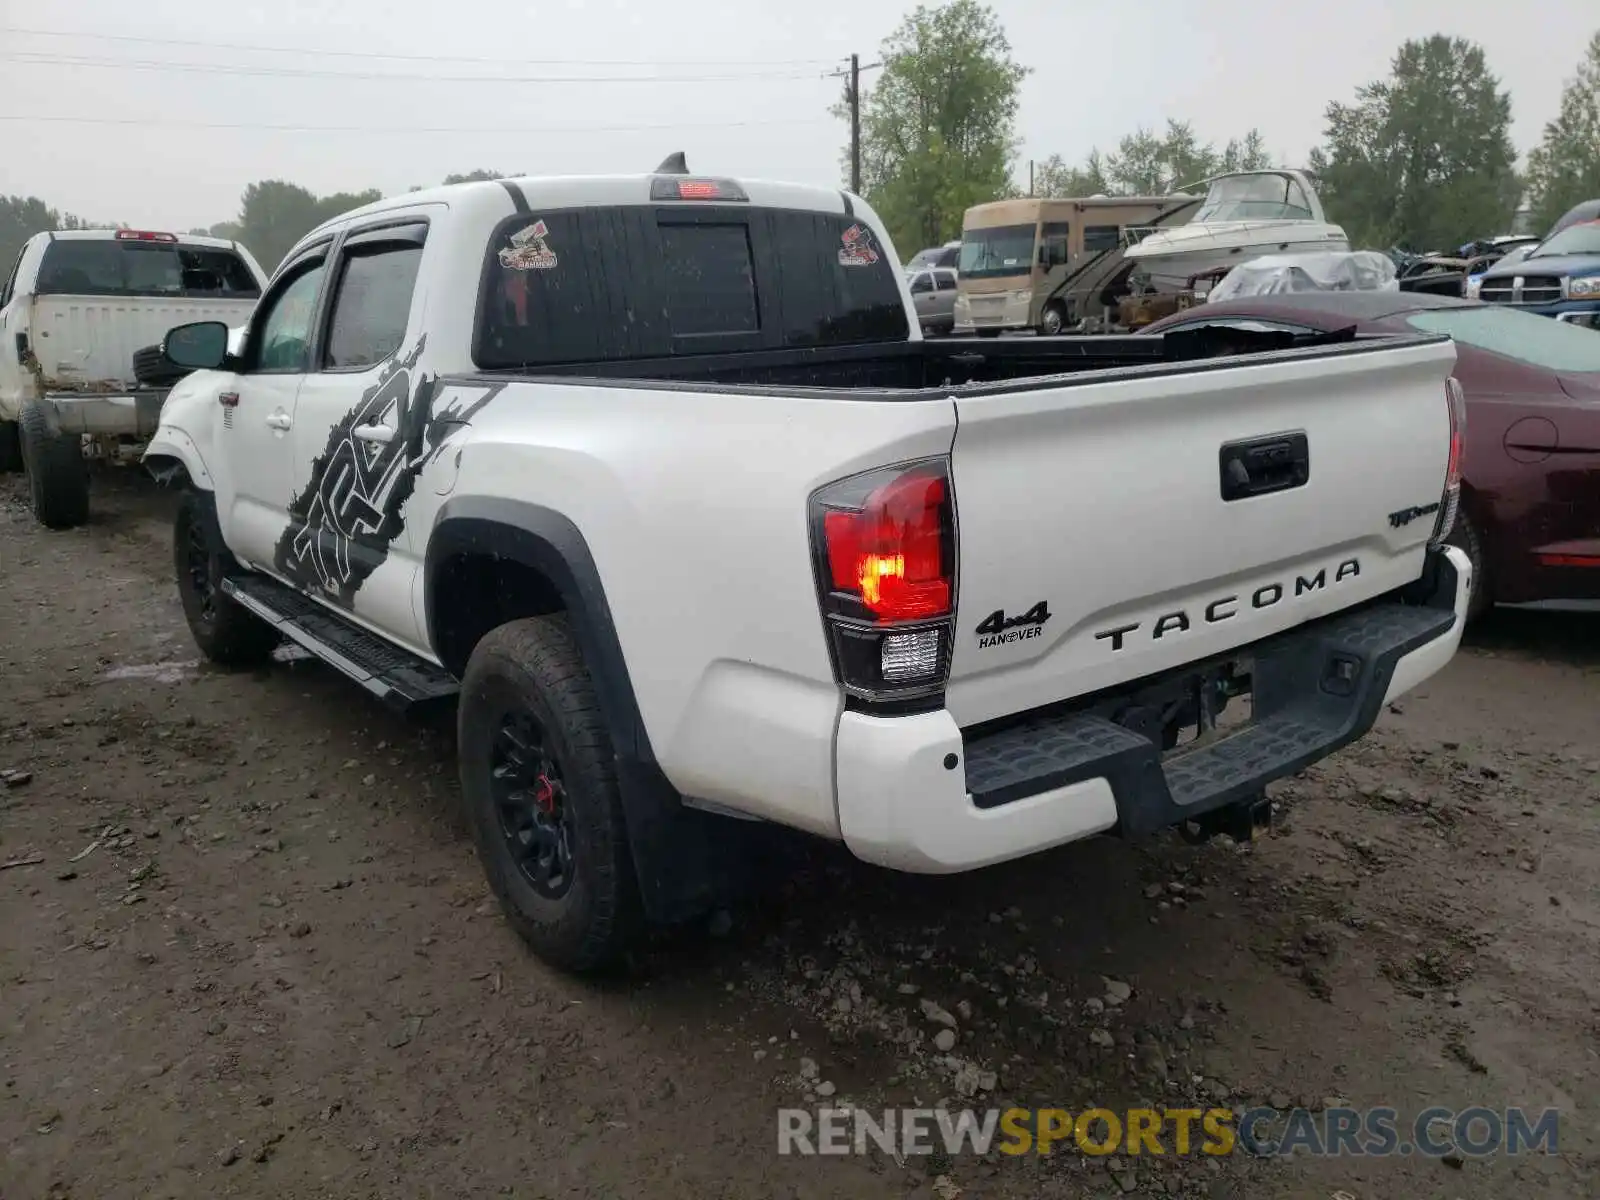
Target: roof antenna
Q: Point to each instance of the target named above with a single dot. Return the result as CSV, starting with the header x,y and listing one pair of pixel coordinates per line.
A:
x,y
673,164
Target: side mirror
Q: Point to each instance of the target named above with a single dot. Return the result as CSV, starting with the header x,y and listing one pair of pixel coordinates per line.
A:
x,y
200,345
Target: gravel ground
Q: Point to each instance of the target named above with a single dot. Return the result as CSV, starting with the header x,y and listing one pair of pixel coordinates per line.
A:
x,y
246,950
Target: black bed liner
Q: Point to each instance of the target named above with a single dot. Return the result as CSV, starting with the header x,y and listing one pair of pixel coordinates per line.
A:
x,y
915,370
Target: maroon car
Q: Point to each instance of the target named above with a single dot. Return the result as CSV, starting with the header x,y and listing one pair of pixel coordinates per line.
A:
x,y
1530,503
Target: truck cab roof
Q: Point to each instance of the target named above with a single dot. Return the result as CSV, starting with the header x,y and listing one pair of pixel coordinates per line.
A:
x,y
573,191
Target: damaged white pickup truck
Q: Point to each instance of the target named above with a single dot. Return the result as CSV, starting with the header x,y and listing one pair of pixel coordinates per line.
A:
x,y
80,315
655,477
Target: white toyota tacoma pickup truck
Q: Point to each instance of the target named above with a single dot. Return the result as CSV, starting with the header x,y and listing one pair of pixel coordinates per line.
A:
x,y
77,311
656,479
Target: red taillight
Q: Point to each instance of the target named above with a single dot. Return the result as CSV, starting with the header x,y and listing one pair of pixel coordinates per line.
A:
x,y
890,552
1456,405
885,546
144,235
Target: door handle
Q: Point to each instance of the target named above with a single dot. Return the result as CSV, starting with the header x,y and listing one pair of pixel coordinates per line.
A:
x,y
1261,466
374,433
279,421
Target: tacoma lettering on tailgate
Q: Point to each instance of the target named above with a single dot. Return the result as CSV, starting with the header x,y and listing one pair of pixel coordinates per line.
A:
x,y
1225,608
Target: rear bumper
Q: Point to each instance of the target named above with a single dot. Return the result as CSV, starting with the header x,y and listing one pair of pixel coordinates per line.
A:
x,y
127,414
919,794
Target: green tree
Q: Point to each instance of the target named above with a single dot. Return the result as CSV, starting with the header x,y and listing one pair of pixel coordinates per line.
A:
x,y
1250,154
23,216
473,176
1422,159
1564,169
938,129
1054,179
1147,163
274,215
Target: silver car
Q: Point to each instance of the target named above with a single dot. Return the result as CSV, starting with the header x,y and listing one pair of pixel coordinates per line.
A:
x,y
934,293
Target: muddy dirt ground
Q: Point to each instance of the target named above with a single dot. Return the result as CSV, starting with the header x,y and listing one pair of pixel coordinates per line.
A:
x,y
245,949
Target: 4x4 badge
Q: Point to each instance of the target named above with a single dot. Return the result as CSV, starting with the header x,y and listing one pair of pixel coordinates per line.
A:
x,y
997,629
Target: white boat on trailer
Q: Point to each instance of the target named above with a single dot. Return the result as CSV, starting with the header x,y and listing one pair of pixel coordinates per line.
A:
x,y
1246,214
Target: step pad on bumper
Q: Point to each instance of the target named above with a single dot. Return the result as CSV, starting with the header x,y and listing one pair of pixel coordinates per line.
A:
x,y
395,676
1314,689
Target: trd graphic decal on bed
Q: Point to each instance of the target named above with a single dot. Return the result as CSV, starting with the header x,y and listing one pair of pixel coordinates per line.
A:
x,y
342,525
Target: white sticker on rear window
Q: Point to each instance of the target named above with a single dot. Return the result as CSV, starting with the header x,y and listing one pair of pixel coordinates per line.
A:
x,y
857,250
528,250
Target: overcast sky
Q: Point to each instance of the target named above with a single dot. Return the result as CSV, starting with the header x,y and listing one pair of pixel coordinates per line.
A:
x,y
159,145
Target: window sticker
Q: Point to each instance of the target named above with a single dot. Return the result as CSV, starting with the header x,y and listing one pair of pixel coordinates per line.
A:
x,y
528,250
857,250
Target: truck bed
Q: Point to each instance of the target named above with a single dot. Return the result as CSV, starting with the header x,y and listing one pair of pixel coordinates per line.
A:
x,y
1098,479
934,363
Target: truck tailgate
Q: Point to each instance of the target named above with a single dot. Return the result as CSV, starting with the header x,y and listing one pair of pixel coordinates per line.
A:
x,y
1095,543
88,341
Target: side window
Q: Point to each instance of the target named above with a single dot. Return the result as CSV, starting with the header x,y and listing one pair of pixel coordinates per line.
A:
x,y
372,305
11,280
283,333
1098,238
922,283
1054,243
945,280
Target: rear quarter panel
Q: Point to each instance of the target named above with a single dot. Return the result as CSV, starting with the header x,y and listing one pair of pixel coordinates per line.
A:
x,y
694,508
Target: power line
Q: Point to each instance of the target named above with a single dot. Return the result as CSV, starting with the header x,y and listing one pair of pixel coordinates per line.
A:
x,y
35,59
530,130
427,58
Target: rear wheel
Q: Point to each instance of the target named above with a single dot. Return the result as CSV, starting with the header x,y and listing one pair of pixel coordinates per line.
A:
x,y
1052,320
226,632
1465,537
58,474
541,794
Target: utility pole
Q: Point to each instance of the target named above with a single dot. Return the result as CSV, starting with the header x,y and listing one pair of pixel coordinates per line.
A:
x,y
1030,178
852,97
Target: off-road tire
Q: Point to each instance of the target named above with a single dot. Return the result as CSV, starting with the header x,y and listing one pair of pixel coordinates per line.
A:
x,y
58,473
1465,537
532,669
226,632
10,447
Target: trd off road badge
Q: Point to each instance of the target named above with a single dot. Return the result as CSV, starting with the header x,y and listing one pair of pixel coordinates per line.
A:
x,y
857,249
528,250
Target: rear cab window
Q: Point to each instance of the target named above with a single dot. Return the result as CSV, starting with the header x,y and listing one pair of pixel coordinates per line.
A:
x,y
107,267
603,284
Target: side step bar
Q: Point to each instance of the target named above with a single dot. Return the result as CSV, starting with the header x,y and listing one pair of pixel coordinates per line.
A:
x,y
397,677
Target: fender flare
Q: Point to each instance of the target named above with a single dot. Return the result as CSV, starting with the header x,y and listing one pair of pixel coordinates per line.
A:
x,y
549,543
686,860
169,445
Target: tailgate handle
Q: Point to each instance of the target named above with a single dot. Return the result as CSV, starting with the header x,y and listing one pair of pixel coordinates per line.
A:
x,y
1259,466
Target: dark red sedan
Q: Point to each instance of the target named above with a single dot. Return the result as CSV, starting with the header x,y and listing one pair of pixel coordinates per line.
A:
x,y
1530,504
